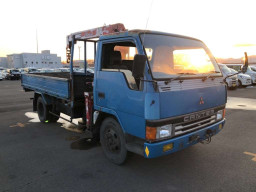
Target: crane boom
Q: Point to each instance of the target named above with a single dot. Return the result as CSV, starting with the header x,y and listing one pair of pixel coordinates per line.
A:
x,y
96,32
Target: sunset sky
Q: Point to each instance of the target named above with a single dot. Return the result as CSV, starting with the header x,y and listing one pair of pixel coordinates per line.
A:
x,y
227,27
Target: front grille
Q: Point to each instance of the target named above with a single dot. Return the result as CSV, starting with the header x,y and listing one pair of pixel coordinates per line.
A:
x,y
182,128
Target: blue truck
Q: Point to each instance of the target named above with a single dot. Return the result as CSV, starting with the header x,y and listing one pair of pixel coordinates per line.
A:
x,y
152,93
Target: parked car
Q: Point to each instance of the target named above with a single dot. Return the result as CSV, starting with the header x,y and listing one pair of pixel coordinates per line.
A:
x,y
64,69
232,81
253,68
243,79
13,74
4,73
248,72
89,70
47,70
1,76
22,70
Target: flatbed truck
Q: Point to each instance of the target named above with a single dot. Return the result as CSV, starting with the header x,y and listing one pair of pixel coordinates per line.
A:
x,y
152,93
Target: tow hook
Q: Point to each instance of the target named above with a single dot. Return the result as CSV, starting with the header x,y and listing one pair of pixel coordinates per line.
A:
x,y
196,138
208,136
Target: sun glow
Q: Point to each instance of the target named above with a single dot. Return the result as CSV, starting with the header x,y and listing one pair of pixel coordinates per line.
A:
x,y
192,61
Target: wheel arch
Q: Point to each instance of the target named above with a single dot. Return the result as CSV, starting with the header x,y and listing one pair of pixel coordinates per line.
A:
x,y
46,98
102,116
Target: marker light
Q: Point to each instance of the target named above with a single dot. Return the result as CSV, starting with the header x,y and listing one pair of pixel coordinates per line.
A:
x,y
168,147
221,114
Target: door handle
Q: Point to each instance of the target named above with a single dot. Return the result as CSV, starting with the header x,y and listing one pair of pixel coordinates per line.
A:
x,y
101,95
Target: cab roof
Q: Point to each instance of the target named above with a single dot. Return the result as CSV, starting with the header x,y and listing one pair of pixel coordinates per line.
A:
x,y
136,32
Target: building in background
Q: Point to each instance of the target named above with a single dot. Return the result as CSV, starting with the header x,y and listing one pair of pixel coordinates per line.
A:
x,y
35,60
3,62
251,60
79,63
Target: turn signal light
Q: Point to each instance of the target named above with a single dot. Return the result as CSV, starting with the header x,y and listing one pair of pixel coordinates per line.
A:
x,y
150,133
224,113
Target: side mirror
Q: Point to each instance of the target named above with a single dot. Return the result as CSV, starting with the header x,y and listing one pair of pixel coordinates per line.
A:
x,y
245,66
139,64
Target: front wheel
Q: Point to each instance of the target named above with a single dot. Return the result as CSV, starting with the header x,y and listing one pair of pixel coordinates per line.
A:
x,y
113,141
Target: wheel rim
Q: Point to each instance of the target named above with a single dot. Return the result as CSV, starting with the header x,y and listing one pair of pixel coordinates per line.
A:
x,y
40,109
112,140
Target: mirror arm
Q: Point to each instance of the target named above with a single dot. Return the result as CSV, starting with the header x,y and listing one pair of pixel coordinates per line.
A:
x,y
152,81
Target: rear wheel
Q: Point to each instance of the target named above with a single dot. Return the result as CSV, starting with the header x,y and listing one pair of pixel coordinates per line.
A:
x,y
43,112
53,118
113,141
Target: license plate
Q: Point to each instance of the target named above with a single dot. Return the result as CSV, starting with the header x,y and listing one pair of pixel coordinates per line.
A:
x,y
233,85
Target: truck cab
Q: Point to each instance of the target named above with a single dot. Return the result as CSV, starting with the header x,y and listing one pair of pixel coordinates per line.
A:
x,y
178,100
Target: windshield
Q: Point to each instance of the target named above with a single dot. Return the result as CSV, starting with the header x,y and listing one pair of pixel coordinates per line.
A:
x,y
253,69
169,56
225,69
233,70
249,69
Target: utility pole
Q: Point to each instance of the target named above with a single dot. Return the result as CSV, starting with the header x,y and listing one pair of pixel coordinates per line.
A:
x,y
36,42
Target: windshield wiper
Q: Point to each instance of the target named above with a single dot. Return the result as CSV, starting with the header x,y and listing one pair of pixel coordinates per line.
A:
x,y
210,75
180,75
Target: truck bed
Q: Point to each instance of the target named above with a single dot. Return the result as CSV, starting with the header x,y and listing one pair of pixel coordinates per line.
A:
x,y
57,84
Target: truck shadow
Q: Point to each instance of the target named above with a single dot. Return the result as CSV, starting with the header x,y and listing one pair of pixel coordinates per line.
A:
x,y
78,143
84,144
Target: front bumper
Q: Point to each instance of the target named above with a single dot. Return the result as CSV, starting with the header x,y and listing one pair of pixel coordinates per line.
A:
x,y
152,150
253,80
231,83
246,81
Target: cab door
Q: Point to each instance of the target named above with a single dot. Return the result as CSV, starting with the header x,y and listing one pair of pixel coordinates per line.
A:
x,y
116,90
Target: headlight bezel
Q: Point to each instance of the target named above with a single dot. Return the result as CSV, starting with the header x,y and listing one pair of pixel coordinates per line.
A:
x,y
164,131
220,114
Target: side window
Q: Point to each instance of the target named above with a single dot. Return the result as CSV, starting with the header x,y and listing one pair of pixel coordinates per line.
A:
x,y
119,57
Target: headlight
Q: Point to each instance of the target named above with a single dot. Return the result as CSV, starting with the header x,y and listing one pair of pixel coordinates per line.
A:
x,y
164,131
243,77
220,114
153,133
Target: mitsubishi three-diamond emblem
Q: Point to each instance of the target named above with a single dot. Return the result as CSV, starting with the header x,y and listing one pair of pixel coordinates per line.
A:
x,y
201,101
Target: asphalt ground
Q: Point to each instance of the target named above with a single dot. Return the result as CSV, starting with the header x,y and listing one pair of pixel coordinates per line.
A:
x,y
47,157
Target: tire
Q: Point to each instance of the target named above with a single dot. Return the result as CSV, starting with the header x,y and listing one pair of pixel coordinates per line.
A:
x,y
113,141
54,119
239,83
43,112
